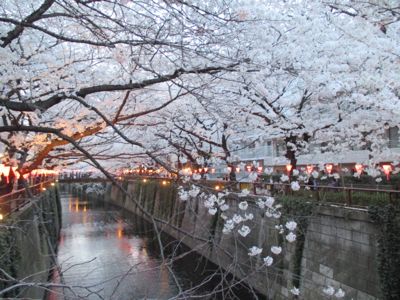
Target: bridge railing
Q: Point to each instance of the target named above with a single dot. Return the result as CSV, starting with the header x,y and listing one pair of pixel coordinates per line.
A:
x,y
17,199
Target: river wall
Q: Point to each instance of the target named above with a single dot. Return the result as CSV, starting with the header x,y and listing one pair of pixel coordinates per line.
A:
x,y
28,238
336,246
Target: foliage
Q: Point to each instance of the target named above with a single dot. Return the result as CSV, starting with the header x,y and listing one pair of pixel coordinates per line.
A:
x,y
9,256
387,219
299,210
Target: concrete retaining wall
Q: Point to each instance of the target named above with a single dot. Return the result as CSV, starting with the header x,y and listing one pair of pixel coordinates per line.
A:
x,y
339,247
27,240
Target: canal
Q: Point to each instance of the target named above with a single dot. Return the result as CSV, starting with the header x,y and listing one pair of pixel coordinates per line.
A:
x,y
107,253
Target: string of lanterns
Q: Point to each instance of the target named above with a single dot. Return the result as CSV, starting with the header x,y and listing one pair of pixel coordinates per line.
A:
x,y
7,170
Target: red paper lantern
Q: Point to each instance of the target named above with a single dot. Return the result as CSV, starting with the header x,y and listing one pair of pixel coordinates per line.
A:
x,y
328,168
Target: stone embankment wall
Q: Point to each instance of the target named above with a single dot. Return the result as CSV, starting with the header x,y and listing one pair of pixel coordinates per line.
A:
x,y
27,241
336,246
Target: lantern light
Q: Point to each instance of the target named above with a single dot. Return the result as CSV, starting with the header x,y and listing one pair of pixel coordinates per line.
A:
x,y
164,182
212,170
248,168
205,170
310,168
1,217
359,168
200,170
387,168
145,180
217,187
329,168
237,169
289,168
229,169
260,169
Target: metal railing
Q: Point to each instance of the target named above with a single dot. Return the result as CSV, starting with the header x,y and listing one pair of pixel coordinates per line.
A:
x,y
353,196
340,195
14,201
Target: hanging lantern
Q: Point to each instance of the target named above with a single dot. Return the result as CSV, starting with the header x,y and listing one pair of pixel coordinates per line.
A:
x,y
212,170
237,169
260,169
200,170
248,168
359,168
387,168
205,170
328,168
310,169
5,170
289,168
229,169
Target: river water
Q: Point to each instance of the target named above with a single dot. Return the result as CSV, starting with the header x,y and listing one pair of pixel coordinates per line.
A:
x,y
107,253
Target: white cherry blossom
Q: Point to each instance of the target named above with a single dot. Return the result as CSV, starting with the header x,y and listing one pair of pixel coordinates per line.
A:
x,y
244,230
268,260
243,205
276,250
254,251
291,225
291,237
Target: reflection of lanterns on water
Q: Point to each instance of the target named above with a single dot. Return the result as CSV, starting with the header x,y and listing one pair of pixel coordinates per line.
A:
x,y
1,217
119,233
76,205
84,208
164,182
145,180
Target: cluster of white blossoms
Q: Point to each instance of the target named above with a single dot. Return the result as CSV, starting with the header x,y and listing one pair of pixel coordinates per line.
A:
x,y
239,218
215,202
185,195
330,291
268,204
291,226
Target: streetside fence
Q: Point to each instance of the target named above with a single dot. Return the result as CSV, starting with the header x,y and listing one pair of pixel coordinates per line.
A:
x,y
14,201
340,195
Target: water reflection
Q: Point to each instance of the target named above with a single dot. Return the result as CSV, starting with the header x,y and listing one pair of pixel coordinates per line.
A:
x,y
116,255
